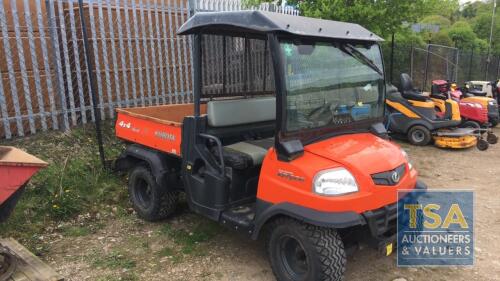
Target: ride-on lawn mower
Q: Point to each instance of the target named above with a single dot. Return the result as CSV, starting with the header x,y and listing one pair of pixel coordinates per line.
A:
x,y
474,111
480,88
16,168
287,144
483,89
413,114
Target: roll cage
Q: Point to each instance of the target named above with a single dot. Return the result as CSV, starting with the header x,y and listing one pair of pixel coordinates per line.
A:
x,y
269,28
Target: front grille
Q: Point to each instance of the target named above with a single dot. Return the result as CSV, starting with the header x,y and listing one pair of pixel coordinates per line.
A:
x,y
387,178
382,222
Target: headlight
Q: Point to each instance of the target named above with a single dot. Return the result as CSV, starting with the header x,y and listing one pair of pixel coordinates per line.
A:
x,y
334,182
410,166
492,102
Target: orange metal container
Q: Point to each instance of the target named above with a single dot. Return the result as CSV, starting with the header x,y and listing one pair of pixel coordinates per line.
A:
x,y
158,127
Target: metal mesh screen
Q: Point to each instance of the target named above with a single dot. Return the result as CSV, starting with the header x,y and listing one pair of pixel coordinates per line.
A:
x,y
235,66
433,63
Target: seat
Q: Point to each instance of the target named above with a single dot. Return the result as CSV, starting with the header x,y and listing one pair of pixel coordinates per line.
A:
x,y
408,91
246,154
226,117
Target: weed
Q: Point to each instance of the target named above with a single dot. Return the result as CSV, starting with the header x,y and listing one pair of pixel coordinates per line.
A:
x,y
74,182
189,240
76,231
115,260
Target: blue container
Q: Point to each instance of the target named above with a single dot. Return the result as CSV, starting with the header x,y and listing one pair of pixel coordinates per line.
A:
x,y
360,112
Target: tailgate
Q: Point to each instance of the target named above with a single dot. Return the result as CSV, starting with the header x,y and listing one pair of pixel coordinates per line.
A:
x,y
149,132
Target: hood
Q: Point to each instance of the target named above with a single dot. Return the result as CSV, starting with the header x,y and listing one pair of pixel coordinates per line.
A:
x,y
362,153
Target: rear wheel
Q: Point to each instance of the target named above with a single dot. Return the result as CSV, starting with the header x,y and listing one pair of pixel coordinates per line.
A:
x,y
301,252
151,201
419,135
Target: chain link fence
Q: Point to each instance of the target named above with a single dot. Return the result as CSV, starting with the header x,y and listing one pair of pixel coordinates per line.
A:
x,y
138,60
439,62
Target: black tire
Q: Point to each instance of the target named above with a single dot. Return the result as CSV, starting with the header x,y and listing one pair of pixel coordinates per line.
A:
x,y
419,135
482,145
151,201
470,124
299,251
492,138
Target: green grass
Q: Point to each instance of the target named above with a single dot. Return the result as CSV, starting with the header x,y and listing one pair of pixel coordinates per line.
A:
x,y
191,240
76,231
115,260
74,182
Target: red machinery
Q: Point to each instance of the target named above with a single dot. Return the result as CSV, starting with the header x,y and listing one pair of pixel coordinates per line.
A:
x,y
16,168
472,111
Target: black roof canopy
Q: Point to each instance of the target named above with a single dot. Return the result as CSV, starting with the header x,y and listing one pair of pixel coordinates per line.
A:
x,y
261,22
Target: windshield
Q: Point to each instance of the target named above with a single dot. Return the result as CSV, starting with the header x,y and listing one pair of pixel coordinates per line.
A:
x,y
332,84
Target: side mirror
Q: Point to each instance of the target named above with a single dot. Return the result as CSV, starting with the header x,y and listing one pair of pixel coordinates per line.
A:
x,y
289,150
379,130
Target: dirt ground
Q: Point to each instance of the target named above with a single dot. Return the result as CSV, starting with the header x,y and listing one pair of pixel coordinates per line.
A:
x,y
115,245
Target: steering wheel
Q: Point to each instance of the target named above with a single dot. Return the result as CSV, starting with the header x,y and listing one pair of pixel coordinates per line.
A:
x,y
324,113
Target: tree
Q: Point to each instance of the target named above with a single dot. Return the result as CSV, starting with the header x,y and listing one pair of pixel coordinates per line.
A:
x,y
383,17
441,38
462,35
438,20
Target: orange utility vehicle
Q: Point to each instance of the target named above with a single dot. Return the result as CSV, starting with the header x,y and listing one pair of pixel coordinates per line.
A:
x,y
284,137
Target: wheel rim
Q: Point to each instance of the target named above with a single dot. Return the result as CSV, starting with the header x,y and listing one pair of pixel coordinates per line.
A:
x,y
143,193
418,136
293,257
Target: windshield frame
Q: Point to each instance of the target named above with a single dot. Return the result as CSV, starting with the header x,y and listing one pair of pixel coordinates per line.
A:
x,y
310,135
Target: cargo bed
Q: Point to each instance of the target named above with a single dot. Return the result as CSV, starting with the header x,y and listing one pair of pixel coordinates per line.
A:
x,y
158,127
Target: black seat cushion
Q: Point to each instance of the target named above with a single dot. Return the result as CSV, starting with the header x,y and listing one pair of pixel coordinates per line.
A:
x,y
236,159
408,91
239,155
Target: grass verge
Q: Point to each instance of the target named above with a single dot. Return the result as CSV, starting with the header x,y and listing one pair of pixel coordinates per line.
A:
x,y
73,184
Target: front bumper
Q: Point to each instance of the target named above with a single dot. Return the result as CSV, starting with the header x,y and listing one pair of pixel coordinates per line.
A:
x,y
382,222
493,113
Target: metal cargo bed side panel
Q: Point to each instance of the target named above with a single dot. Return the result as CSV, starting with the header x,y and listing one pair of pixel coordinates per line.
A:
x,y
157,127
163,137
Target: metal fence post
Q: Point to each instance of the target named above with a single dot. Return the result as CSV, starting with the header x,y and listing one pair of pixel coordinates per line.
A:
x,y
10,69
470,64
56,56
391,72
90,67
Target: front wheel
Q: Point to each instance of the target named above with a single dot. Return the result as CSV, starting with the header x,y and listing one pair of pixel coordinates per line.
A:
x,y
419,135
301,252
151,201
482,145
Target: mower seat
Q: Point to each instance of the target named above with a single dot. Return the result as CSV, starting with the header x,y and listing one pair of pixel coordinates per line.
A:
x,y
408,91
246,154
